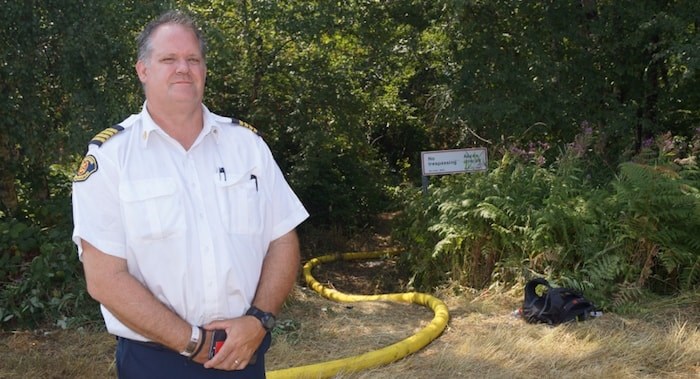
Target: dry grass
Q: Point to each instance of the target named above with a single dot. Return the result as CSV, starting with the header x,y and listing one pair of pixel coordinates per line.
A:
x,y
482,341
56,355
327,330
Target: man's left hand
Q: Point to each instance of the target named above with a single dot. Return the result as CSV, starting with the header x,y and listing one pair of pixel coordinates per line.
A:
x,y
243,337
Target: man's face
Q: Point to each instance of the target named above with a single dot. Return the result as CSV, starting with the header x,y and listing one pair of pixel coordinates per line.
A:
x,y
175,72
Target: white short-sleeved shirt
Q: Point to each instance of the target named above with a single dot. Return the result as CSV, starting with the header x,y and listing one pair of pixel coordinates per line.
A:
x,y
193,226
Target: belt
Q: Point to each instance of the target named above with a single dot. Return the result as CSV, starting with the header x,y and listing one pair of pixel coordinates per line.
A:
x,y
159,347
152,345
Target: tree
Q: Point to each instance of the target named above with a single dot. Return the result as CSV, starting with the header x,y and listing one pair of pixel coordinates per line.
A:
x,y
66,77
539,70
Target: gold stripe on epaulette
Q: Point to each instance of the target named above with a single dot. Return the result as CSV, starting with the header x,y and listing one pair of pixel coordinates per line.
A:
x,y
106,134
246,125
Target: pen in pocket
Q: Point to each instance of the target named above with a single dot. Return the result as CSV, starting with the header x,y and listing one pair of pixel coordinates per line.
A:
x,y
253,177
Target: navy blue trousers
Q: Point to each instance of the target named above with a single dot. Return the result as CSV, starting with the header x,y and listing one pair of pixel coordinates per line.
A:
x,y
138,360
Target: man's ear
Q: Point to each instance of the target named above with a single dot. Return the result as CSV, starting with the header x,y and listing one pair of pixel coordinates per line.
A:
x,y
141,69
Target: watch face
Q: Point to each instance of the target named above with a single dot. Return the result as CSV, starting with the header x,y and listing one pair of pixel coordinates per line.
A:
x,y
268,321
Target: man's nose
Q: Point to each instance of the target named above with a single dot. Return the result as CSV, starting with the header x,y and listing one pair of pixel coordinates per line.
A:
x,y
182,66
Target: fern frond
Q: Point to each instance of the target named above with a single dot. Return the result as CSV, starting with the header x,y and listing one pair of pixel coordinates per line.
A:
x,y
626,294
691,275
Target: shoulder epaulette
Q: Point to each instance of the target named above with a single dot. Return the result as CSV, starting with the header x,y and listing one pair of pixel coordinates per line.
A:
x,y
106,134
246,125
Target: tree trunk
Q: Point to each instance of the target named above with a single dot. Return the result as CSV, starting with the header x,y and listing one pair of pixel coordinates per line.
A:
x,y
8,191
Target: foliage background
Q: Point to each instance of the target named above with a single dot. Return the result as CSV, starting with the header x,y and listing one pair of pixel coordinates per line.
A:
x,y
589,110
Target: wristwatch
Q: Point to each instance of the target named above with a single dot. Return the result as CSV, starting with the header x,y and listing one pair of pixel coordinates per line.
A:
x,y
195,341
267,319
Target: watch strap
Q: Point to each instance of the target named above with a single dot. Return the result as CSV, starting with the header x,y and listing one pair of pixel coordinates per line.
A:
x,y
193,343
267,319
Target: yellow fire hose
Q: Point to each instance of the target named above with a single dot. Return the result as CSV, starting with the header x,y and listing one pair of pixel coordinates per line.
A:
x,y
375,358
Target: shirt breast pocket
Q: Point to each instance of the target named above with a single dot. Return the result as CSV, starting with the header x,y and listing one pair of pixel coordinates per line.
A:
x,y
153,209
240,204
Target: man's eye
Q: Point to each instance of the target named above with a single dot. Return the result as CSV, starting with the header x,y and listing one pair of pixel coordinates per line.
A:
x,y
193,60
167,60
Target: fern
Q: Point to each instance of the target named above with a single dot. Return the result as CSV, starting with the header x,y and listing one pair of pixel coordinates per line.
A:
x,y
638,233
626,295
690,275
663,209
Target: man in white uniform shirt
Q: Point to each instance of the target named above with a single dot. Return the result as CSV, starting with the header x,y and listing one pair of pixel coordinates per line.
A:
x,y
184,224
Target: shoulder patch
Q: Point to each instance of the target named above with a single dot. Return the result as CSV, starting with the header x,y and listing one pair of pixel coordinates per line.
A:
x,y
106,134
87,167
245,125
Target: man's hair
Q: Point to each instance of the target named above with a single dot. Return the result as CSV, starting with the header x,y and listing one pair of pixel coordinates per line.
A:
x,y
143,41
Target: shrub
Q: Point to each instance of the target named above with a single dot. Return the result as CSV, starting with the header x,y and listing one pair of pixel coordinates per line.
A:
x,y
41,278
524,218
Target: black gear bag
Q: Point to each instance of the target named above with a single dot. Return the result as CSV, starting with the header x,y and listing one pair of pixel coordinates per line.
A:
x,y
555,305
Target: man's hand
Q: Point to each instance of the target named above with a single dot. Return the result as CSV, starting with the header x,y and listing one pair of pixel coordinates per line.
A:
x,y
244,335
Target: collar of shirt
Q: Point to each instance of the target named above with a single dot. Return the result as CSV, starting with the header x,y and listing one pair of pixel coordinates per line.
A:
x,y
210,125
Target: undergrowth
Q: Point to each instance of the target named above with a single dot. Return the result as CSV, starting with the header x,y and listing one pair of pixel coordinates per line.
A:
x,y
617,235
